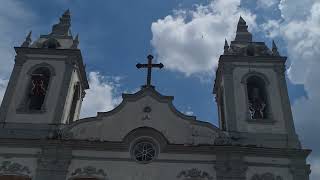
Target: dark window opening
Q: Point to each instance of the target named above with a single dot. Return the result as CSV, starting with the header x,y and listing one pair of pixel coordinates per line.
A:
x,y
257,97
38,88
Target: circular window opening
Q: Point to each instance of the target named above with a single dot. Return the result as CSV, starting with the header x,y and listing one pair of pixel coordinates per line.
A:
x,y
144,152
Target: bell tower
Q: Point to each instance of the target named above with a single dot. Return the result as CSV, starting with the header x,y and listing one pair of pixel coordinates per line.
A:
x,y
48,80
251,93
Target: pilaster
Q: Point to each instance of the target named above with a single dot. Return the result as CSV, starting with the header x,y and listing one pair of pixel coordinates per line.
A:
x,y
299,169
227,71
53,163
70,63
293,140
230,166
7,98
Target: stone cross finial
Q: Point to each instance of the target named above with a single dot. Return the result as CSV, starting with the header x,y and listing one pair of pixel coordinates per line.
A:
x,y
149,66
27,41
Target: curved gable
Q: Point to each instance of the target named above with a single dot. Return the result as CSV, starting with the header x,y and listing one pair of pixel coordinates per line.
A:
x,y
146,108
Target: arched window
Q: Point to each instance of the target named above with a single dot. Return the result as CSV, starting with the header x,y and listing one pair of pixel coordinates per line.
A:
x,y
257,97
75,99
39,82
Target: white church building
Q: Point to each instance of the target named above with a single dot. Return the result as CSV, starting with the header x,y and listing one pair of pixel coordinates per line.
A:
x,y
146,137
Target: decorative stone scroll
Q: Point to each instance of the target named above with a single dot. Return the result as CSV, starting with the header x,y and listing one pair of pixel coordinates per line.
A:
x,y
266,176
11,168
194,174
89,171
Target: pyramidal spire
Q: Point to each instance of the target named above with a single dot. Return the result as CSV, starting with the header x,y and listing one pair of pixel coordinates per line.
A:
x,y
241,21
75,42
62,28
226,46
274,49
27,41
242,31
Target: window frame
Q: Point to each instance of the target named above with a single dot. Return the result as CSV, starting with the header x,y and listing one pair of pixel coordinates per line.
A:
x,y
23,108
269,119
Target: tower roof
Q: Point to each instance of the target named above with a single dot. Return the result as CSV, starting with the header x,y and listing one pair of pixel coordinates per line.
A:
x,y
243,34
60,36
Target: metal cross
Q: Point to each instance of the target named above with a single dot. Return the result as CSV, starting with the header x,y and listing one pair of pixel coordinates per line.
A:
x,y
149,66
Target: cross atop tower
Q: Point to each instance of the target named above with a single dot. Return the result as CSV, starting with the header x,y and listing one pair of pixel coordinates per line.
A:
x,y
149,66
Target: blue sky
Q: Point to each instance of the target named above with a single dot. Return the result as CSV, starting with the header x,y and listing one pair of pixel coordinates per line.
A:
x,y
187,36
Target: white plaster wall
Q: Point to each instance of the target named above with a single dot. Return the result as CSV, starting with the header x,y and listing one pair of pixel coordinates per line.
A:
x,y
51,98
23,156
274,97
130,170
74,79
116,126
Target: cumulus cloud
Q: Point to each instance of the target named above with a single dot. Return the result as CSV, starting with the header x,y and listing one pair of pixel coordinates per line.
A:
x,y
266,3
190,41
271,27
101,96
15,21
300,28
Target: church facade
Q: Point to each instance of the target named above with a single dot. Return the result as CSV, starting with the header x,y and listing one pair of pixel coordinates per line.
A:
x,y
146,137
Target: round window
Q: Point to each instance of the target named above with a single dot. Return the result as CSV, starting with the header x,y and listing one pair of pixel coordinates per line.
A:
x,y
144,152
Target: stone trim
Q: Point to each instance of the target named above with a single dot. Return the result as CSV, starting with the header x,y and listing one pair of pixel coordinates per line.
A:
x,y
171,148
261,121
12,168
229,97
194,173
269,119
255,73
148,91
66,83
20,59
22,108
33,68
293,140
68,53
258,59
89,172
265,176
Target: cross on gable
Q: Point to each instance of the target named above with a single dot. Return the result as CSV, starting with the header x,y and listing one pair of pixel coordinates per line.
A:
x,y
149,66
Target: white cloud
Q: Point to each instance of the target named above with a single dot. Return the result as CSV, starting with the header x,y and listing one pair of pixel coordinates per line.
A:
x,y
266,3
101,95
271,28
300,28
15,22
190,41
